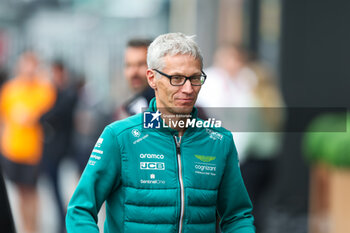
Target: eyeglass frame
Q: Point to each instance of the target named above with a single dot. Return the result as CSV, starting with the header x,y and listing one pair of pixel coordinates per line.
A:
x,y
186,78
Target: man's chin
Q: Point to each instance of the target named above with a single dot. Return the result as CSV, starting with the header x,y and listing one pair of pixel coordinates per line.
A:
x,y
138,85
185,109
138,88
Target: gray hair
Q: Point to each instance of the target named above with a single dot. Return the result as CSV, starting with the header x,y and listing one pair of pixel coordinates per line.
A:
x,y
171,44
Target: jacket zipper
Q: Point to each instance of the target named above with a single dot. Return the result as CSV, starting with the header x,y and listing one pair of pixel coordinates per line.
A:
x,y
182,192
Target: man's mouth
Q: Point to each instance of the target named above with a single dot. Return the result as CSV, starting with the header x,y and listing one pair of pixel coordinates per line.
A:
x,y
136,81
185,100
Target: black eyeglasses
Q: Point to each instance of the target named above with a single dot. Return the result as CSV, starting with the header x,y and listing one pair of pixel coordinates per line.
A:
x,y
179,80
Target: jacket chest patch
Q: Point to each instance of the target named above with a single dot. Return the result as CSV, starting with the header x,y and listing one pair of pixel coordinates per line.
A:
x,y
152,168
205,165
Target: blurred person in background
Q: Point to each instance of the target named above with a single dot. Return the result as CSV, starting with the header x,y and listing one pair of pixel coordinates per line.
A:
x,y
229,74
264,141
224,75
6,220
135,68
88,122
249,101
3,76
58,127
23,101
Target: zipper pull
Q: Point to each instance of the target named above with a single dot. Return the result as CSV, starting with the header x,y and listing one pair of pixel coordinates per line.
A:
x,y
178,142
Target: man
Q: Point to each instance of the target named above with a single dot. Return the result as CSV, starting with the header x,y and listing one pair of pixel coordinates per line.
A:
x,y
163,177
135,73
58,126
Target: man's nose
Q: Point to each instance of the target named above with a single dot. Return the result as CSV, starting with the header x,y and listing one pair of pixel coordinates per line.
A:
x,y
187,87
132,71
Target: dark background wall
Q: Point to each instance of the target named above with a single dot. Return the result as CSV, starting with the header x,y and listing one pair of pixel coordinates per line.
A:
x,y
315,52
315,62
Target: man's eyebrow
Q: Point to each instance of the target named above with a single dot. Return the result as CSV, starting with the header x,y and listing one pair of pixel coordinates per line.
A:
x,y
181,74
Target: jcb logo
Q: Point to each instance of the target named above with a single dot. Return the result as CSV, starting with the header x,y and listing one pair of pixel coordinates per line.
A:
x,y
152,166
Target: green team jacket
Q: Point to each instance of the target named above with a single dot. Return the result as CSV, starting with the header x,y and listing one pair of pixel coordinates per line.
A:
x,y
152,183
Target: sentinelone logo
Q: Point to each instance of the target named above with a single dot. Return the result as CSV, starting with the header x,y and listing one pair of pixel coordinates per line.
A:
x,y
151,120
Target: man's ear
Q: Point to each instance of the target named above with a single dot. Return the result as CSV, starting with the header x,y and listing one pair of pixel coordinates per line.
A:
x,y
151,79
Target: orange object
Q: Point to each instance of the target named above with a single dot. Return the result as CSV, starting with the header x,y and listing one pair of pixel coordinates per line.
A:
x,y
22,103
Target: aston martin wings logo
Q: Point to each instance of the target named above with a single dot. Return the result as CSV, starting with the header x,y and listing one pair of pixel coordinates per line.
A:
x,y
205,158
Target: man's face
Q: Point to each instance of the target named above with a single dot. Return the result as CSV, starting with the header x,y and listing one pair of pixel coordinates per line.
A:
x,y
136,67
59,77
176,99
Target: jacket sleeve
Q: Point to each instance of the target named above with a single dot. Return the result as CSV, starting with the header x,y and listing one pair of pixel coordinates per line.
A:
x,y
100,177
234,205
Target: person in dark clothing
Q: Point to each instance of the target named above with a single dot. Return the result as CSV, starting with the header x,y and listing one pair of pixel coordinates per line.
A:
x,y
6,220
135,67
134,105
58,126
